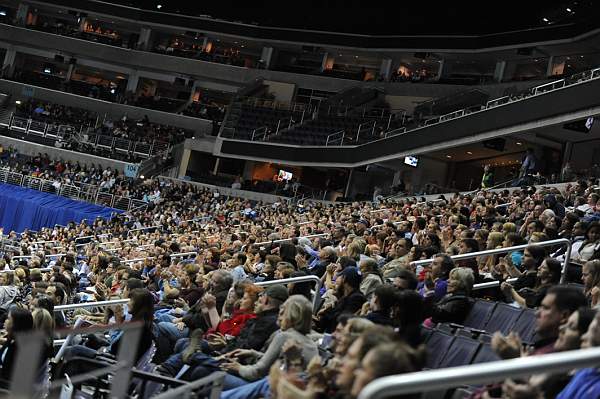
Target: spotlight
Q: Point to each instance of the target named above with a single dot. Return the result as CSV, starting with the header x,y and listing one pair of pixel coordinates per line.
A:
x,y
545,20
159,6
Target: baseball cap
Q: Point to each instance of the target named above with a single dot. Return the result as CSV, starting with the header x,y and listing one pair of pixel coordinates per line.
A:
x,y
277,291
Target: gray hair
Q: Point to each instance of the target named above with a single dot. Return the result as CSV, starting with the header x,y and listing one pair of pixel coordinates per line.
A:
x,y
297,312
465,277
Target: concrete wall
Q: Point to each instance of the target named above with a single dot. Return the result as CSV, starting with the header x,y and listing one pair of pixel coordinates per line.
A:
x,y
283,92
28,148
251,195
407,103
115,111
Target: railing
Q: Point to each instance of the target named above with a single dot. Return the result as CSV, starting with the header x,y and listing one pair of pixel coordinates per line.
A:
x,y
98,304
81,133
290,239
360,127
79,191
535,91
259,134
477,374
301,279
210,386
550,243
337,137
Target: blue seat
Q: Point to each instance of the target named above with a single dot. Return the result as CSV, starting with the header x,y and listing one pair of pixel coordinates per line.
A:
x,y
480,314
437,345
525,325
460,353
503,318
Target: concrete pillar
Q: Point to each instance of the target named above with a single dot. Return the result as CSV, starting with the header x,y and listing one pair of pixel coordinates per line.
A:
x,y
499,71
566,156
132,82
183,165
347,190
144,41
22,12
8,66
385,69
70,71
440,70
550,66
216,168
266,55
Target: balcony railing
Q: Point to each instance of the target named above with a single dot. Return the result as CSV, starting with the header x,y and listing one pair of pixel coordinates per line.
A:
x,y
77,191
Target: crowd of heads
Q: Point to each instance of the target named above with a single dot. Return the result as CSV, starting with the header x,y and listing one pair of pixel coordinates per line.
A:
x,y
192,262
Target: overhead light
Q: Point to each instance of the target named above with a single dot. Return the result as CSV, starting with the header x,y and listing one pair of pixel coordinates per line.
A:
x,y
519,143
545,20
469,152
568,10
159,6
142,177
18,102
448,156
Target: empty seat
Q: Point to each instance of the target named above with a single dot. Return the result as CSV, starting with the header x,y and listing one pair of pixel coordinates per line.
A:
x,y
525,325
503,318
480,314
460,353
437,345
485,354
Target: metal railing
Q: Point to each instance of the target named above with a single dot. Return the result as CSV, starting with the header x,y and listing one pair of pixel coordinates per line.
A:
x,y
477,374
301,279
98,304
77,191
337,137
290,239
471,255
82,134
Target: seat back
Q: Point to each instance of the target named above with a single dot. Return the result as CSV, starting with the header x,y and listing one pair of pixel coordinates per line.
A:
x,y
525,326
461,352
503,318
437,345
480,314
485,354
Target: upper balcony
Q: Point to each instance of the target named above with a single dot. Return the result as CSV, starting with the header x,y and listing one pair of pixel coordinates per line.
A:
x,y
544,105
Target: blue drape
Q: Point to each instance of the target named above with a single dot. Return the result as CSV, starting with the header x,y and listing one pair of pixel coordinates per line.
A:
x,y
23,208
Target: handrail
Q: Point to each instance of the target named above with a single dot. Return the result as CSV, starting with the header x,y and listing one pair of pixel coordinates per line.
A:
x,y
42,270
181,254
549,243
111,302
300,279
186,390
290,239
476,374
137,259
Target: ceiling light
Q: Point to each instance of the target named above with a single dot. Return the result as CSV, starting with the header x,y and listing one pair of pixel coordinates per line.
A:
x,y
519,143
159,6
568,10
469,152
545,20
448,156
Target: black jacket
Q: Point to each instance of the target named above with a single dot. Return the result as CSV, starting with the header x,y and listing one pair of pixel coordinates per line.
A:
x,y
349,304
256,331
453,308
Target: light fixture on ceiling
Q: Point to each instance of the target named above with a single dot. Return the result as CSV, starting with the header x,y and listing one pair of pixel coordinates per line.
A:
x,y
545,19
159,6
448,156
569,10
519,143
469,152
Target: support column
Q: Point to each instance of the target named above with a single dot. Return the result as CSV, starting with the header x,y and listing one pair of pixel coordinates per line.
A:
x,y
22,12
70,71
8,65
266,55
216,168
144,40
385,69
499,71
347,190
440,70
132,82
550,66
183,165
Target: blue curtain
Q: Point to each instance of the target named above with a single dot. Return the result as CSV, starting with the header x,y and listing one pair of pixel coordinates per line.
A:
x,y
23,208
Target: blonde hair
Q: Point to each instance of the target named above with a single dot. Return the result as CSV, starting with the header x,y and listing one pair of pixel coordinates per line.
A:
x,y
43,320
495,238
297,314
509,227
464,276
